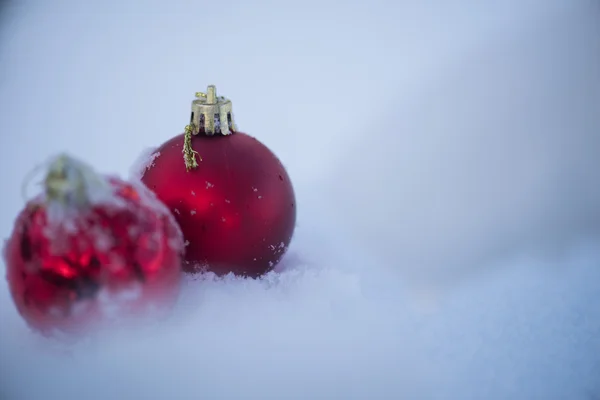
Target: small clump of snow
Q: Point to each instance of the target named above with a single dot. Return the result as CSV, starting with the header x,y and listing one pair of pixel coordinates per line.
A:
x,y
145,160
103,241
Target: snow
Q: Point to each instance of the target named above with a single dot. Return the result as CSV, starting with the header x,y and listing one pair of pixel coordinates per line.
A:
x,y
403,191
145,160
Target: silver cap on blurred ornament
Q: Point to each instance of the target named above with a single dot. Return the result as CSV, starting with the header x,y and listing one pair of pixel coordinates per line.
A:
x,y
211,114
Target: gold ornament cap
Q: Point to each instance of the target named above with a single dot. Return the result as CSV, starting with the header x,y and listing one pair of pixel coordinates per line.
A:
x,y
211,114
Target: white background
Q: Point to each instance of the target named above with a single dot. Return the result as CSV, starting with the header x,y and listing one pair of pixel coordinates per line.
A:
x,y
446,161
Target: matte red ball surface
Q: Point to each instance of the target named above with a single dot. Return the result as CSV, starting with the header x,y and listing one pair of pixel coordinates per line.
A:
x,y
237,209
110,260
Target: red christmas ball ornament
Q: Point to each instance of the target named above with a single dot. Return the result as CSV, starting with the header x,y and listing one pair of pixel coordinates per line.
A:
x,y
91,248
231,196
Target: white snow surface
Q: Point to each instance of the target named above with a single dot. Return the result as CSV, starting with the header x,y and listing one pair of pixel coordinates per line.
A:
x,y
343,317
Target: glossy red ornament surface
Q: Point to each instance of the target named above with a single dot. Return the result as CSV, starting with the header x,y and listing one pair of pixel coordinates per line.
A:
x,y
237,209
119,258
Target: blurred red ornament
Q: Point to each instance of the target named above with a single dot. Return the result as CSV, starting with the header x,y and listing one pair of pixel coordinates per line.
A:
x,y
231,195
92,248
